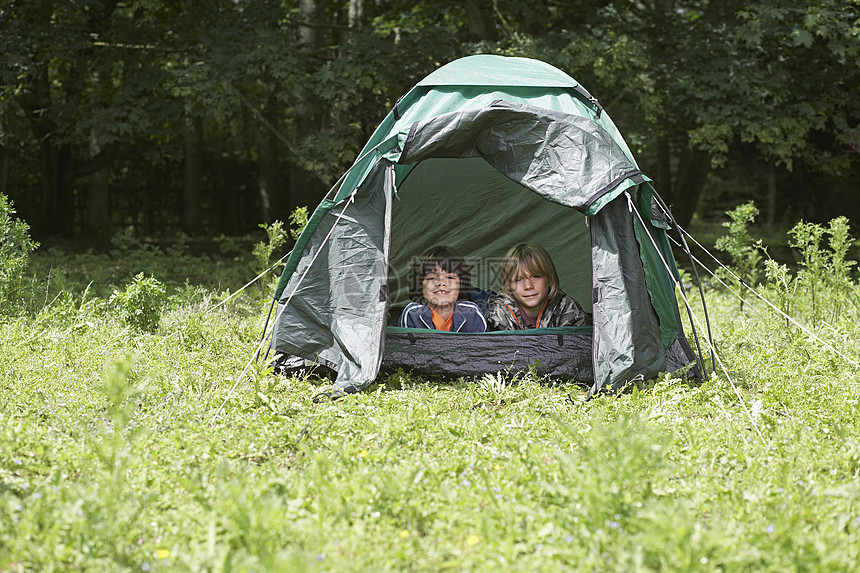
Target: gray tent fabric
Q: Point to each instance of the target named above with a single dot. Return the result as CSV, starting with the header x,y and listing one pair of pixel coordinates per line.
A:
x,y
568,159
339,293
626,328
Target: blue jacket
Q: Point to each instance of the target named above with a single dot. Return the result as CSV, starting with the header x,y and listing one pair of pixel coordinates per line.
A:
x,y
467,317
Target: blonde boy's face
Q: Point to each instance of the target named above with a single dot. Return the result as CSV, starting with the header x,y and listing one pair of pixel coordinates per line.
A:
x,y
530,290
441,288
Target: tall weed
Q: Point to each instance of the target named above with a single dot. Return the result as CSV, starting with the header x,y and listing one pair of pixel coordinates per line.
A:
x,y
839,277
15,249
141,303
745,253
806,239
825,273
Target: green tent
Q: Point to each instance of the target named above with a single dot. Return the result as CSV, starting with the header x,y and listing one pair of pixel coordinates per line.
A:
x,y
485,152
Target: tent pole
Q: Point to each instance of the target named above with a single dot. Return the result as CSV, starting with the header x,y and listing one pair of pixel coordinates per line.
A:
x,y
686,249
265,328
347,201
701,360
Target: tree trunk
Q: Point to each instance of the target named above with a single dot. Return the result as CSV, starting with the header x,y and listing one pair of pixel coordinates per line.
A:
x,y
663,179
305,187
771,195
99,194
356,13
57,195
4,166
693,170
480,20
192,190
274,202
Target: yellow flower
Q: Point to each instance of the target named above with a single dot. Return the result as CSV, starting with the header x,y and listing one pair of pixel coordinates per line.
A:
x,y
404,534
472,539
363,453
162,553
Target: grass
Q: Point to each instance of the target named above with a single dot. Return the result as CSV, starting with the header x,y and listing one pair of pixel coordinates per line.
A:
x,y
123,450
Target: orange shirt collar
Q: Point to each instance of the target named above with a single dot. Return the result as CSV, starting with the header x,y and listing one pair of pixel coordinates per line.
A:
x,y
440,323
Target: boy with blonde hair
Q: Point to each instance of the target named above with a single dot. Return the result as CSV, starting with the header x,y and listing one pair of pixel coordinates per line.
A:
x,y
531,295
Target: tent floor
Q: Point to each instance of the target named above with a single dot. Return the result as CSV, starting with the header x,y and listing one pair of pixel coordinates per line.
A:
x,y
557,354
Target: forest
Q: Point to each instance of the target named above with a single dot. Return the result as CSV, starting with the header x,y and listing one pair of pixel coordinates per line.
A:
x,y
142,428
208,117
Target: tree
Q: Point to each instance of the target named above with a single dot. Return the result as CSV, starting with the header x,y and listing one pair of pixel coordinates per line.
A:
x,y
692,80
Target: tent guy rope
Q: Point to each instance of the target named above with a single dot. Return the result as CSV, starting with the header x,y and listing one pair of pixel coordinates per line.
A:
x,y
347,202
775,308
632,207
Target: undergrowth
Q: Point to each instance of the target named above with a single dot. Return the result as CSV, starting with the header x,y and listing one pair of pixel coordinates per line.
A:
x,y
143,449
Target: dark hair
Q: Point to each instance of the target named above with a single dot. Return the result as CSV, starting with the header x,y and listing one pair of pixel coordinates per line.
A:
x,y
450,261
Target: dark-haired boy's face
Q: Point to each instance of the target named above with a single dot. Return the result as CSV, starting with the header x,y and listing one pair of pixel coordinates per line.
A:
x,y
441,288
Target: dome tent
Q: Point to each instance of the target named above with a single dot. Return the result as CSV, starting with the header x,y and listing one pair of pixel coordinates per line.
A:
x,y
485,152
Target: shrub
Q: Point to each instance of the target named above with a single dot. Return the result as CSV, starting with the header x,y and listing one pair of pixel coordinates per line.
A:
x,y
740,246
15,249
141,303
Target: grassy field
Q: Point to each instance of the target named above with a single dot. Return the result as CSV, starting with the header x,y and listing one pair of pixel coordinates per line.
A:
x,y
142,449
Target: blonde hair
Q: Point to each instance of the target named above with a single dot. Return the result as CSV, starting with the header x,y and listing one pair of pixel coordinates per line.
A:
x,y
532,260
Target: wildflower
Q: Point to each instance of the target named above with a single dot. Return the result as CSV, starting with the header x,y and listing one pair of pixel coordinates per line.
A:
x,y
404,534
472,539
363,453
162,553
769,528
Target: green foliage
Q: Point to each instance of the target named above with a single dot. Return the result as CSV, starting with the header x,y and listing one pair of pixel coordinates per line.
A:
x,y
745,253
264,250
806,238
15,249
782,284
298,221
82,80
146,453
839,266
141,303
824,269
277,236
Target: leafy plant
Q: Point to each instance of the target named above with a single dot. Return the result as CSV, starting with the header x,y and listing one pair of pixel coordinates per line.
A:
x,y
277,237
15,249
264,250
780,279
141,303
745,253
839,266
298,222
806,238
